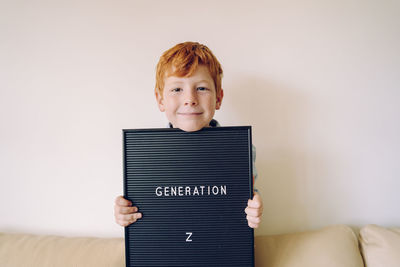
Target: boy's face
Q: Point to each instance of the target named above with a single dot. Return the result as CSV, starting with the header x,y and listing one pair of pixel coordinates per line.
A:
x,y
190,102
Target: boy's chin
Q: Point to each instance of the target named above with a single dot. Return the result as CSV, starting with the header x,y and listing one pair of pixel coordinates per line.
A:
x,y
191,127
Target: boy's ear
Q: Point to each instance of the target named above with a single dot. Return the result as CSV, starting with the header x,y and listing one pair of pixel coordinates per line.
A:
x,y
160,101
220,96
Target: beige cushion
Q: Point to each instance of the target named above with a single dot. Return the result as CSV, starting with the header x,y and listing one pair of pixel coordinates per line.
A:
x,y
334,246
44,251
329,247
380,246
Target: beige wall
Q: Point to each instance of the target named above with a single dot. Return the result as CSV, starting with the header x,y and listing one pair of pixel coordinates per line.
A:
x,y
318,81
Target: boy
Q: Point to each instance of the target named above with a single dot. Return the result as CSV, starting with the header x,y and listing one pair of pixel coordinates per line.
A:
x,y
188,89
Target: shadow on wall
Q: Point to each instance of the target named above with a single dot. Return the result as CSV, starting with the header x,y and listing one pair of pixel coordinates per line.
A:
x,y
286,161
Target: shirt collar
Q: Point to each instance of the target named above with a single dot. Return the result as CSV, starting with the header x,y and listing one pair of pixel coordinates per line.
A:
x,y
213,123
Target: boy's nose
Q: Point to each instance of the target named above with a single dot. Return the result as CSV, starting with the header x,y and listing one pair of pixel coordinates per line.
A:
x,y
190,100
190,103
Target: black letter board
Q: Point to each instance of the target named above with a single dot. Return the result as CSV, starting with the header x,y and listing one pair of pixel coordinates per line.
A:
x,y
192,189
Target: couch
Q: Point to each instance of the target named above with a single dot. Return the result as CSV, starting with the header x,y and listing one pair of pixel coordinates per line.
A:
x,y
333,246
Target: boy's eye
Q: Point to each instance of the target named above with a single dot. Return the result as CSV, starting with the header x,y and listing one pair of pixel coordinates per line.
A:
x,y
176,89
202,88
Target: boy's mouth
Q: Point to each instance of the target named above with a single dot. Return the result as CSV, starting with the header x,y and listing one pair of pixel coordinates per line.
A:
x,y
190,113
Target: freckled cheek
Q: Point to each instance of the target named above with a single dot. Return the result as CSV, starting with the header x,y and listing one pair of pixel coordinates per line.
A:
x,y
211,103
172,106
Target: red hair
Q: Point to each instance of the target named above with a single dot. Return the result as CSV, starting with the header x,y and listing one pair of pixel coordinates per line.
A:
x,y
184,58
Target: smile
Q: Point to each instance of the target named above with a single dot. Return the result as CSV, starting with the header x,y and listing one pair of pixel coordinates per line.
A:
x,y
190,114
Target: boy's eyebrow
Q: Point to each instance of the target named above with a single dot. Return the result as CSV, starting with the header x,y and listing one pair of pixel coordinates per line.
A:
x,y
175,82
201,81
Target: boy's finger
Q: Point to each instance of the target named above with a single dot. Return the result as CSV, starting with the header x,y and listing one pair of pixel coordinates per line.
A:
x,y
127,210
252,225
254,203
128,217
123,223
120,200
255,220
253,212
133,217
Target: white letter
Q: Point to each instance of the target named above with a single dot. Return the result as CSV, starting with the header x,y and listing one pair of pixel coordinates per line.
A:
x,y
187,190
215,187
223,189
158,192
166,193
202,189
180,190
188,238
173,191
195,191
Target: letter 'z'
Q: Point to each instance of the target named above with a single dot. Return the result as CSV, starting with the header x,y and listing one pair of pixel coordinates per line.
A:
x,y
188,238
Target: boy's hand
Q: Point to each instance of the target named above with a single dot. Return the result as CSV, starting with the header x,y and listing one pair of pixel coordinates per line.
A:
x,y
124,213
254,211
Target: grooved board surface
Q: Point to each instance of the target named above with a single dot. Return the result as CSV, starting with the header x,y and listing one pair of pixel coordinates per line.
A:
x,y
192,189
